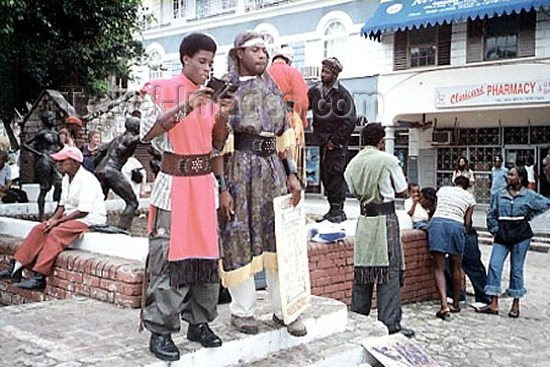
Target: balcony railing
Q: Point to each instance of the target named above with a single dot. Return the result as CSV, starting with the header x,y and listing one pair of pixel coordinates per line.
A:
x,y
252,5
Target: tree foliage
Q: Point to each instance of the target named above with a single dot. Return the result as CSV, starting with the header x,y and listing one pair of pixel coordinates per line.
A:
x,y
64,44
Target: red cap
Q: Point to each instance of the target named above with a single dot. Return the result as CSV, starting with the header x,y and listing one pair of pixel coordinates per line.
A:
x,y
68,152
73,120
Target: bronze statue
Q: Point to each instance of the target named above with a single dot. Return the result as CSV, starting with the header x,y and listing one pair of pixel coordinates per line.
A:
x,y
43,144
108,165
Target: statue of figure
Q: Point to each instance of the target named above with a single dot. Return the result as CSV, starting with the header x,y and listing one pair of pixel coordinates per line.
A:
x,y
43,144
108,168
156,158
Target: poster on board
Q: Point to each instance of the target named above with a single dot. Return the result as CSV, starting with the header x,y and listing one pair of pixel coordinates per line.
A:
x,y
290,232
397,350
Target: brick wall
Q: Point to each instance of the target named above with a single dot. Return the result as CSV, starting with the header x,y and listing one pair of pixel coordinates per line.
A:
x,y
116,280
78,273
331,269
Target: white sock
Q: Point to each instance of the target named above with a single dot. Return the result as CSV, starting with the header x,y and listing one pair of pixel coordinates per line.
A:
x,y
17,266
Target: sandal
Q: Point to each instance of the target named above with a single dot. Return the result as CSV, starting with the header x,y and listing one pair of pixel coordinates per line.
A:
x,y
443,315
454,310
514,313
488,310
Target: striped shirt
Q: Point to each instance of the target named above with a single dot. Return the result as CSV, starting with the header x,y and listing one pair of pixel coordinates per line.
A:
x,y
453,202
161,194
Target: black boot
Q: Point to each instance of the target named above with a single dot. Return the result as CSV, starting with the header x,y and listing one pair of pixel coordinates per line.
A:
x,y
7,273
331,212
163,347
15,277
338,215
36,283
203,334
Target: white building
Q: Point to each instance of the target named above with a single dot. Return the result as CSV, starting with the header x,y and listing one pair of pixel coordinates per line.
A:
x,y
314,29
464,78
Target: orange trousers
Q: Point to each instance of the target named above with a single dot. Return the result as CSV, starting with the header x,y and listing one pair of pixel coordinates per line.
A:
x,y
41,249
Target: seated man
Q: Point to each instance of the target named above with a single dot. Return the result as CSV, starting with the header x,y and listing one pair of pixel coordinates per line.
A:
x,y
80,206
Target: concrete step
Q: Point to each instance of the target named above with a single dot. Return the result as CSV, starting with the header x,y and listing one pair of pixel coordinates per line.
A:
x,y
539,243
341,349
325,317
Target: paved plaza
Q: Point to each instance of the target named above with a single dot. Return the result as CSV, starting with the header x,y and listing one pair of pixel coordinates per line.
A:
x,y
83,333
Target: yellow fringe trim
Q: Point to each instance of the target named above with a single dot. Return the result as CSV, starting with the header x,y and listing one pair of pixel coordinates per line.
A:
x,y
287,140
232,278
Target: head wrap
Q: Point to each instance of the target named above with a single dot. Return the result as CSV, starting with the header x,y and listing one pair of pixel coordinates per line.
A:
x,y
242,40
333,64
286,51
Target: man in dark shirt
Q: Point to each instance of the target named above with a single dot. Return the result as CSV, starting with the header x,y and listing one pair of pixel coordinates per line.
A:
x,y
334,118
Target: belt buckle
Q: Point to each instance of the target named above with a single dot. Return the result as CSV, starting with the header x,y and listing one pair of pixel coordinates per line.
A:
x,y
269,145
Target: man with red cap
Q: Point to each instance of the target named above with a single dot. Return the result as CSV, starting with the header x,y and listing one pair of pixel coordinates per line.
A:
x,y
81,205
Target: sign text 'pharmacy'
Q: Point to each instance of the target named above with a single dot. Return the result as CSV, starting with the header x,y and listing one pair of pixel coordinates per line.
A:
x,y
532,91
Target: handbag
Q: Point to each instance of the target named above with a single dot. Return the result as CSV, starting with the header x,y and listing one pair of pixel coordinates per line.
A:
x,y
511,232
136,175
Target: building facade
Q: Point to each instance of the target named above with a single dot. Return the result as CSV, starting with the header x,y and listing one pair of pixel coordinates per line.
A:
x,y
314,29
463,80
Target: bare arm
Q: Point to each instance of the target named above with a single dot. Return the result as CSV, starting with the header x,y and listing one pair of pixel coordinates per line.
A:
x,y
468,218
168,119
292,182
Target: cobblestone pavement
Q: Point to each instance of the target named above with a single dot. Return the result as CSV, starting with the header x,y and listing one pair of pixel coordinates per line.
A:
x,y
473,340
82,332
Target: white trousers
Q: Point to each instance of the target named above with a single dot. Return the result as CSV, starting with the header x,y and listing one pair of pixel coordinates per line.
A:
x,y
243,296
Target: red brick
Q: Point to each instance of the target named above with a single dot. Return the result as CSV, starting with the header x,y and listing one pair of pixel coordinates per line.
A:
x,y
128,289
90,280
74,277
108,284
128,301
102,295
59,283
130,273
57,293
82,289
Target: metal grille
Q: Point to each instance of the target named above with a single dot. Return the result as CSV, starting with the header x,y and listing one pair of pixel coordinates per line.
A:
x,y
481,136
516,135
481,158
540,134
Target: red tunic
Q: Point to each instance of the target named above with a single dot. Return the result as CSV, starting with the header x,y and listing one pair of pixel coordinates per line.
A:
x,y
193,209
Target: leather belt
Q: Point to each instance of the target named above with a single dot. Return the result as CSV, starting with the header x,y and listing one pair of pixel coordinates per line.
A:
x,y
374,210
185,165
260,145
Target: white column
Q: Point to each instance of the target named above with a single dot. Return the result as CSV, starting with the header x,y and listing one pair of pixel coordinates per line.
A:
x,y
390,139
412,161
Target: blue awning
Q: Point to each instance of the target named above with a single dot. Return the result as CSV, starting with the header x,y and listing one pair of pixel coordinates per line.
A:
x,y
405,14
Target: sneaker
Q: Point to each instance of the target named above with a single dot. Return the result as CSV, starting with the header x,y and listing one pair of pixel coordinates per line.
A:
x,y
295,328
245,324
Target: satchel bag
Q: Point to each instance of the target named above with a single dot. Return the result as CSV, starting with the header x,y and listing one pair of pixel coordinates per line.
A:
x,y
136,175
511,231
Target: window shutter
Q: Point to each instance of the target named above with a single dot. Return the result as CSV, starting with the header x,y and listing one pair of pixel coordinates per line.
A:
x,y
526,34
444,44
400,50
474,51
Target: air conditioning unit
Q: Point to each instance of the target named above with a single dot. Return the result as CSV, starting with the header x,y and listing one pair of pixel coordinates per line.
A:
x,y
442,137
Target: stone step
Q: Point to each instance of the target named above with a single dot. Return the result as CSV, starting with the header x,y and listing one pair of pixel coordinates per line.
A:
x,y
539,243
325,317
341,349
